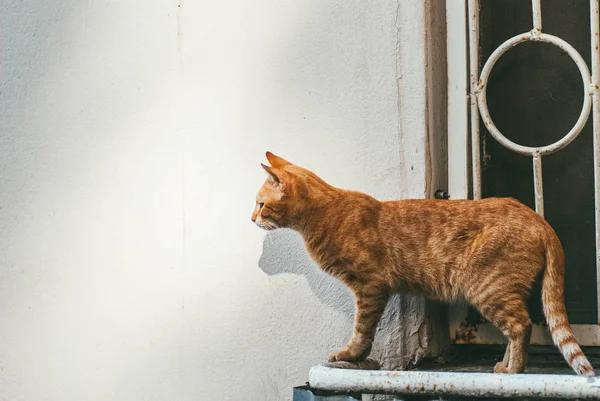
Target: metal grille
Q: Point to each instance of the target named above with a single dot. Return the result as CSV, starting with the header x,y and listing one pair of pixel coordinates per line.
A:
x,y
477,88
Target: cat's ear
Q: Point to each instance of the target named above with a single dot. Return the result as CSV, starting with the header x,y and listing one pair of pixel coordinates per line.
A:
x,y
274,174
276,161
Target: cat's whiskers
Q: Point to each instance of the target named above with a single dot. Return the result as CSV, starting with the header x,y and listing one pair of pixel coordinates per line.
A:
x,y
270,225
267,225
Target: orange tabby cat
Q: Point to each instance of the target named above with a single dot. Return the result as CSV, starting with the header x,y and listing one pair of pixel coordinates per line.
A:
x,y
487,252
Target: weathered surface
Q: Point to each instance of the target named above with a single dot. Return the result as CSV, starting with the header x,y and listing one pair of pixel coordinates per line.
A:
x,y
414,328
478,359
455,384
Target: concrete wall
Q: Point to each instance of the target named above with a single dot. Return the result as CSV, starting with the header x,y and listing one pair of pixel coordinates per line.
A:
x,y
131,135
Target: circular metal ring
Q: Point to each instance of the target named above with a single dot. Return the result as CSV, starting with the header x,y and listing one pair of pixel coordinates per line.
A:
x,y
482,100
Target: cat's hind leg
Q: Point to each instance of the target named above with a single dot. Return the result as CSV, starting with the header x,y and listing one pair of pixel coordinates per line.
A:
x,y
509,313
502,366
519,339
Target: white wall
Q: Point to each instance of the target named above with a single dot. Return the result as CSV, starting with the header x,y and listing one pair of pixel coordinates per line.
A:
x,y
130,139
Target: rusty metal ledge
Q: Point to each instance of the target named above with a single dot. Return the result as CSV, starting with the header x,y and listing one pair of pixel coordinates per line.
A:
x,y
451,384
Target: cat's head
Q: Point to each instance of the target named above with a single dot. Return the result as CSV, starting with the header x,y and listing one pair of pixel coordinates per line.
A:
x,y
281,199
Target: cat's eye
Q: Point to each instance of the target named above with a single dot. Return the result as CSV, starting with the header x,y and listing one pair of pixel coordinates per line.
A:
x,y
260,205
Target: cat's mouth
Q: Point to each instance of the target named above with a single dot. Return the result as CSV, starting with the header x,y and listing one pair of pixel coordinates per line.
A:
x,y
266,225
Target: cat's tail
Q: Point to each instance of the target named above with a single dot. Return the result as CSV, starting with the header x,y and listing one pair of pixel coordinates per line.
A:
x,y
553,295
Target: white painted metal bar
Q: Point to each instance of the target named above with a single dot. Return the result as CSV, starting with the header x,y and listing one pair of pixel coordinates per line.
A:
x,y
537,15
455,384
587,102
473,15
595,81
538,184
458,112
536,152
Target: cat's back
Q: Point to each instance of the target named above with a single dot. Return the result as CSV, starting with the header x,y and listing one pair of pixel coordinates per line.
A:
x,y
456,211
439,245
448,221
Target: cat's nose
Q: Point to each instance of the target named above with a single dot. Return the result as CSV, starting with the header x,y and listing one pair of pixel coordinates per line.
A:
x,y
253,218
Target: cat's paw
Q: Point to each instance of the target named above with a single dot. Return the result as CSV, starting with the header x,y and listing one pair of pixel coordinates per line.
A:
x,y
343,355
367,364
500,368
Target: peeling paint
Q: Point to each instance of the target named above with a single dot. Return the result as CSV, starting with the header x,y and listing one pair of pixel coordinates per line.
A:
x,y
455,384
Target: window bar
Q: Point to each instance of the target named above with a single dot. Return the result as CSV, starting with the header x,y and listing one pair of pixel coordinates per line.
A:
x,y
537,16
595,31
458,98
536,153
538,183
474,67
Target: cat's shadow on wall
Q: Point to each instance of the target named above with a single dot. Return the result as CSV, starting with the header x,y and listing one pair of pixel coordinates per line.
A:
x,y
284,252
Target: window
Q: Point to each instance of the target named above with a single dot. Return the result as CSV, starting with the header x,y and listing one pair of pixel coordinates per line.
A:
x,y
530,129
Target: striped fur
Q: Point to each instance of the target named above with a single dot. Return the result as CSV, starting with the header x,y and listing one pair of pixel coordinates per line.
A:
x,y
486,252
556,314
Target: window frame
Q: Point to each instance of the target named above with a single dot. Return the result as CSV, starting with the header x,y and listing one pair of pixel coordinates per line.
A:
x,y
464,100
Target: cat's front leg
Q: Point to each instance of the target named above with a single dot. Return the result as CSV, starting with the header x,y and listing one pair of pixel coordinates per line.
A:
x,y
370,304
